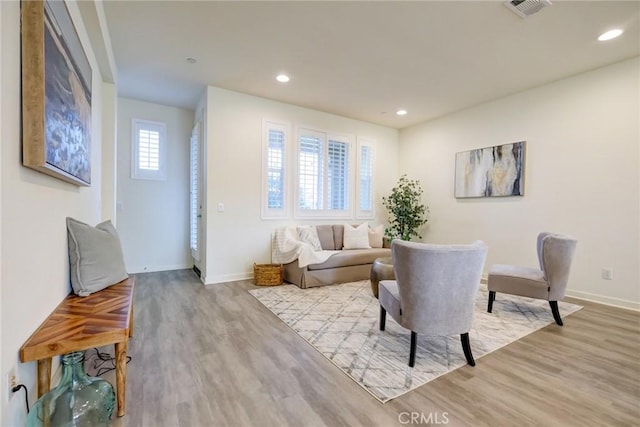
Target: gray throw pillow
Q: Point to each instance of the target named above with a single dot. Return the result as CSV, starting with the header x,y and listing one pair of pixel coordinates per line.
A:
x,y
95,256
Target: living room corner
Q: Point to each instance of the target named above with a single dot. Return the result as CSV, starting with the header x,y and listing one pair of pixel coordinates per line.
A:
x,y
580,135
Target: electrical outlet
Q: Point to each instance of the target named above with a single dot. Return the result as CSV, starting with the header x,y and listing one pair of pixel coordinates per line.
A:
x,y
607,273
12,381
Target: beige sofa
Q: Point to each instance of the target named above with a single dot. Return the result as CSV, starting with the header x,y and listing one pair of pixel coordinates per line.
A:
x,y
348,265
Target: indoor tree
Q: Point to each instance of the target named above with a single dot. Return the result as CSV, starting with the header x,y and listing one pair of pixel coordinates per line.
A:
x,y
406,212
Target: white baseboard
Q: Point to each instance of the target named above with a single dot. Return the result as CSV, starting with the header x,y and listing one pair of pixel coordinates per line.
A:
x,y
224,278
152,268
602,299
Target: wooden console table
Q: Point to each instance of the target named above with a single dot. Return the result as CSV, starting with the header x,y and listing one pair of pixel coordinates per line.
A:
x,y
80,323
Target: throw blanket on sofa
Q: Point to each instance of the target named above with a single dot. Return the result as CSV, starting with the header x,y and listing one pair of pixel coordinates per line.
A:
x,y
286,248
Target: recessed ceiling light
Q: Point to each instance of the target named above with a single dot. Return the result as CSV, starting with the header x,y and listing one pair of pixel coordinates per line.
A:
x,y
282,78
612,34
401,112
192,60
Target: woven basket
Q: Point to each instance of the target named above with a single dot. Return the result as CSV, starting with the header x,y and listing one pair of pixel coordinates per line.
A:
x,y
268,274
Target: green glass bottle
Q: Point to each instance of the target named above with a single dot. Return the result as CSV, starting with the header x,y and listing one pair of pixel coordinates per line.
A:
x,y
78,401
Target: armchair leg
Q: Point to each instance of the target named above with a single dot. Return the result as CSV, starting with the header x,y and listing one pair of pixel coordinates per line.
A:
x,y
383,318
466,347
556,313
492,297
412,354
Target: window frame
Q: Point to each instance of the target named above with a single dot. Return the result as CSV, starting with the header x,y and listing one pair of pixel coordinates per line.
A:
x,y
147,174
266,212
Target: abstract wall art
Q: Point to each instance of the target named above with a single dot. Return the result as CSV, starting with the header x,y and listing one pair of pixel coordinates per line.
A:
x,y
56,93
491,172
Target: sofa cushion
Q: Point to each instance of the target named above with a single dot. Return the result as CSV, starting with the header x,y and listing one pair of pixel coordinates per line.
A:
x,y
325,234
338,234
351,257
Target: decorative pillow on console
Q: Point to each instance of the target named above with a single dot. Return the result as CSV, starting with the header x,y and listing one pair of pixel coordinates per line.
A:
x,y
309,234
375,236
95,256
356,237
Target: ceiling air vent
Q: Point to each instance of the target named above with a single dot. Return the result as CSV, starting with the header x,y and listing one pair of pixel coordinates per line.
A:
x,y
526,8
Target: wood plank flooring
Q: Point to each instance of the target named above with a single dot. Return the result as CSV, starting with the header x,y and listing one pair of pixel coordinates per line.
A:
x,y
214,356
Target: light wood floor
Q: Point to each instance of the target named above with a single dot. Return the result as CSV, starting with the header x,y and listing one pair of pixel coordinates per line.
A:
x,y
214,356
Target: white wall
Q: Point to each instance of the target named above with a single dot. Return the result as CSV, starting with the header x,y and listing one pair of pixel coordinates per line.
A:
x,y
238,237
2,371
153,216
581,177
35,271
109,150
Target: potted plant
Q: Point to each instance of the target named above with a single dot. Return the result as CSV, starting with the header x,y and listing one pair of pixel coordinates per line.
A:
x,y
406,212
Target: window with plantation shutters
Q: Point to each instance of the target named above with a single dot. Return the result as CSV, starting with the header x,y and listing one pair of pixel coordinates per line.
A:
x,y
337,176
365,179
148,148
275,172
274,184
323,179
315,174
311,161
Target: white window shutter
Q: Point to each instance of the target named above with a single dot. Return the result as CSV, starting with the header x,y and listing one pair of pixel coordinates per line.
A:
x,y
148,147
365,201
310,171
324,179
194,193
274,170
338,176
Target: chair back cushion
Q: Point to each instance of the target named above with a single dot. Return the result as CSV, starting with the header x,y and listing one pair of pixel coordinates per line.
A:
x,y
556,253
438,285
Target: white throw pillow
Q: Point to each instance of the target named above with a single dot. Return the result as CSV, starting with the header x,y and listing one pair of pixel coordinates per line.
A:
x,y
356,238
309,234
375,236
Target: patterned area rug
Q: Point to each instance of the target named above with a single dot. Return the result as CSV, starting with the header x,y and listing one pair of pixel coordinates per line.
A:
x,y
341,322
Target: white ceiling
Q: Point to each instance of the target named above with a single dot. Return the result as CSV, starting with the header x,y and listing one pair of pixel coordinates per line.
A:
x,y
362,59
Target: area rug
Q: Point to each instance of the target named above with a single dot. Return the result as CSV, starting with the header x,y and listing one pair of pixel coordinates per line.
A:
x,y
341,322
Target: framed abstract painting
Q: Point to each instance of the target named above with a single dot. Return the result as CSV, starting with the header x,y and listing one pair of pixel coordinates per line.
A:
x,y
496,171
56,93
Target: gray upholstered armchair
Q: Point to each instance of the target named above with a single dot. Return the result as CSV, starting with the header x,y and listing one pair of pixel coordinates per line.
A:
x,y
434,291
555,253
